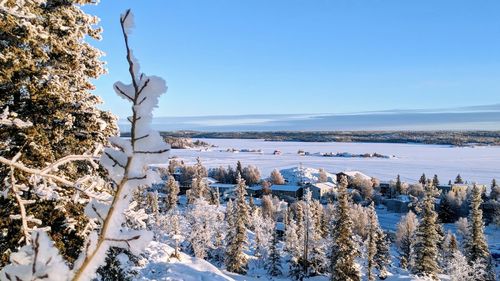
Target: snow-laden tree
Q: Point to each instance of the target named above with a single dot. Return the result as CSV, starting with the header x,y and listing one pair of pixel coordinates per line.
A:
x,y
458,269
322,175
314,255
344,249
475,244
376,247
267,206
450,246
172,225
462,225
405,238
425,249
126,162
251,174
237,241
171,190
47,68
276,177
204,223
199,186
274,262
292,243
46,77
263,229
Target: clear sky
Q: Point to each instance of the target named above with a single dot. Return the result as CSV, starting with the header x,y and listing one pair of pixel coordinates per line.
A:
x,y
231,57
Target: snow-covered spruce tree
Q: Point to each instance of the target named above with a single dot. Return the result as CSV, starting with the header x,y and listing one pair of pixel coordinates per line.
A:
x,y
383,255
199,186
237,242
425,249
217,253
314,254
172,191
274,261
263,229
458,269
344,249
405,238
293,249
47,68
203,221
450,246
475,245
377,248
175,232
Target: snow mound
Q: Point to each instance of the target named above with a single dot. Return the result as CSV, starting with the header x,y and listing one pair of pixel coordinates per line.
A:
x,y
293,175
158,265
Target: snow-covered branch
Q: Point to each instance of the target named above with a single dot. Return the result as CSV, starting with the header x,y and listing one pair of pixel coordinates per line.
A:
x,y
126,161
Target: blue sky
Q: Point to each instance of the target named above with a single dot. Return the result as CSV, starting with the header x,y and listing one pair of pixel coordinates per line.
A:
x,y
232,57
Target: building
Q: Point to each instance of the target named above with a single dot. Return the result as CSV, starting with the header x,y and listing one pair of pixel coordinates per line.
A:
x,y
225,190
322,190
289,193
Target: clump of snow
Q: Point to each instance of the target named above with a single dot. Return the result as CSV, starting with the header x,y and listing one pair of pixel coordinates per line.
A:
x,y
157,265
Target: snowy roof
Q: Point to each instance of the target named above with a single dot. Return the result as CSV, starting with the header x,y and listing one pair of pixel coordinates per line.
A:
x,y
325,185
283,187
254,187
222,185
210,180
296,174
354,173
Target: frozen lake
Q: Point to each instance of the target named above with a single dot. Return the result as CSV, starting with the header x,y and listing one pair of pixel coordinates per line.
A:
x,y
475,164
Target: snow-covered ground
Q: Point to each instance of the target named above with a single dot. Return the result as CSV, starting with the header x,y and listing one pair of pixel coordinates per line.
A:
x,y
479,164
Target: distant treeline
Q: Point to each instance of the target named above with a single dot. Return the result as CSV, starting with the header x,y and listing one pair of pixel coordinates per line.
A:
x,y
459,138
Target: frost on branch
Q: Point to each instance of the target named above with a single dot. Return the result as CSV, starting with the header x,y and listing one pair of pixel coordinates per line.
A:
x,y
127,163
38,261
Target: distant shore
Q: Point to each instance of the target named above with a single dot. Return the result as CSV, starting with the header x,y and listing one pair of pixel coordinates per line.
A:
x,y
455,138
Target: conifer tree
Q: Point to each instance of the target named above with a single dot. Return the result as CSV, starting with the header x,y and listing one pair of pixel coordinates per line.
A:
x,y
435,181
425,259
449,249
314,255
399,185
383,256
459,180
344,250
405,236
172,191
47,67
293,248
371,243
199,186
236,260
423,179
476,246
239,168
274,262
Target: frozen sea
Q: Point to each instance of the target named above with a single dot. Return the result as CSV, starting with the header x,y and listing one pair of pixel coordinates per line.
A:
x,y
475,164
